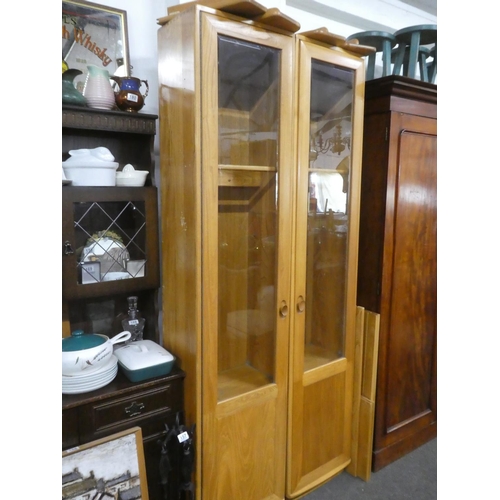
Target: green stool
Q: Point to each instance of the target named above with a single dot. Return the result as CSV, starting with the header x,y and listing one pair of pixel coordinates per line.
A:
x,y
432,66
383,42
423,55
412,37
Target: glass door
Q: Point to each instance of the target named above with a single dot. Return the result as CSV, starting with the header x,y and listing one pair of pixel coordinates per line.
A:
x,y
247,179
330,91
330,131
110,241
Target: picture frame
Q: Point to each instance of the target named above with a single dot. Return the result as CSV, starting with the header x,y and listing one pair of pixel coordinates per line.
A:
x,y
108,468
94,34
91,272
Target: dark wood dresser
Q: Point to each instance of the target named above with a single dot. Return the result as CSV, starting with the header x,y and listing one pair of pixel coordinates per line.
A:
x,y
398,261
121,405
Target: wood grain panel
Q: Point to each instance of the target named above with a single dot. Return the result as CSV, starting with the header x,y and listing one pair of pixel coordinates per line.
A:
x,y
242,453
180,181
365,374
413,314
324,404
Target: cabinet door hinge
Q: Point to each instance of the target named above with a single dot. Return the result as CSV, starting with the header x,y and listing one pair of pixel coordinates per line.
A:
x,y
386,134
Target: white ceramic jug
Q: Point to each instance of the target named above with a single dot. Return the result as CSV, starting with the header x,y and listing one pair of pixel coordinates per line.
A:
x,y
98,90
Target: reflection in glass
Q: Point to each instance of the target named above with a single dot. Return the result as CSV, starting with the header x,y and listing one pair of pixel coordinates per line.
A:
x,y
247,272
327,223
248,103
111,241
247,221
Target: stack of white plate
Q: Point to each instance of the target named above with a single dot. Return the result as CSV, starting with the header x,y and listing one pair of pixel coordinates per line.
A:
x,y
90,381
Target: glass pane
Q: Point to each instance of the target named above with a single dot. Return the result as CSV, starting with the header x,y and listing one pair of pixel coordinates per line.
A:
x,y
327,222
111,241
248,103
247,223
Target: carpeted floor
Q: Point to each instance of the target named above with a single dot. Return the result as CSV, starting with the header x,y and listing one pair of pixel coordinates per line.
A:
x,y
412,477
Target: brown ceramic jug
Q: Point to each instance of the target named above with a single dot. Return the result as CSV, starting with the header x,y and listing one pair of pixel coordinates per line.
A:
x,y
129,97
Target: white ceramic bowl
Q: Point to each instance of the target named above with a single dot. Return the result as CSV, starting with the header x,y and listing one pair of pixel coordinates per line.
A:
x,y
132,178
92,175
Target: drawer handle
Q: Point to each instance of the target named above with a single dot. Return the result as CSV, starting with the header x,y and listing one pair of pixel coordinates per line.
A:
x,y
134,409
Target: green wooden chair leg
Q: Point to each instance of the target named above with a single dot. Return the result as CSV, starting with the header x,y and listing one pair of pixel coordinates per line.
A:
x,y
433,66
398,61
386,58
413,58
423,67
370,70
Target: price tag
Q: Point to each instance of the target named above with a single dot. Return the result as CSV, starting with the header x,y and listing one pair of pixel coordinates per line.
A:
x,y
183,436
133,322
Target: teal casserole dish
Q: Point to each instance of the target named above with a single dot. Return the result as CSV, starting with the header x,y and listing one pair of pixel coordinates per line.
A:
x,y
144,359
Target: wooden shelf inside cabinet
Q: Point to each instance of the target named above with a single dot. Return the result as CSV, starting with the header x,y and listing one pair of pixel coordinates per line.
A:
x,y
128,136
250,181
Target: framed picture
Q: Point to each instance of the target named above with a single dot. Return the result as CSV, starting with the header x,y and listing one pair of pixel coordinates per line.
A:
x,y
94,34
91,272
109,468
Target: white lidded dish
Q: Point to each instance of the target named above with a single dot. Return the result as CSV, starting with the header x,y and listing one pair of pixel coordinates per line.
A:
x,y
91,167
144,359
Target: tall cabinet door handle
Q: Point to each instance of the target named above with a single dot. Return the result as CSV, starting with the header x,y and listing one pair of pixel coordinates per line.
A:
x,y
283,309
301,304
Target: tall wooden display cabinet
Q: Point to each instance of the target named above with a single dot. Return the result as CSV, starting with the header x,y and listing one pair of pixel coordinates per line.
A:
x,y
260,171
397,264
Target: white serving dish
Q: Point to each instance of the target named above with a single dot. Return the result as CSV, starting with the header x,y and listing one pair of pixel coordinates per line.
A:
x,y
92,175
144,359
91,167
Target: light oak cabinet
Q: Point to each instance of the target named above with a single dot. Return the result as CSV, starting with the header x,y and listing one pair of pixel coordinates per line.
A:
x,y
260,141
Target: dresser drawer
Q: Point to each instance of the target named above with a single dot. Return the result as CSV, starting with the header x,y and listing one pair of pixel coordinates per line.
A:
x,y
142,409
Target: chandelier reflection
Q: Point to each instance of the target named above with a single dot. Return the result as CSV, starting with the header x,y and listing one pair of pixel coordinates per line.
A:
x,y
336,143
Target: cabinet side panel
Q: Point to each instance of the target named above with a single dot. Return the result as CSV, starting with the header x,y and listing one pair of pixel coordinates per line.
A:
x,y
372,211
179,181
